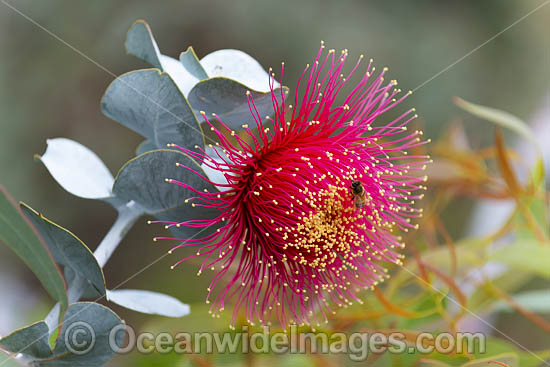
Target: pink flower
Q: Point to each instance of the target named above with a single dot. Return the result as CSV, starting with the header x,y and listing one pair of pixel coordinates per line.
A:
x,y
295,242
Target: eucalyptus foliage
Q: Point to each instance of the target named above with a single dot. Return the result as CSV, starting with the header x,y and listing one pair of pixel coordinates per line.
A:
x,y
161,103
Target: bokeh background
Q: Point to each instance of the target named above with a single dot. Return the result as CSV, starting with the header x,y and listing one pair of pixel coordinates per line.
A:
x,y
48,90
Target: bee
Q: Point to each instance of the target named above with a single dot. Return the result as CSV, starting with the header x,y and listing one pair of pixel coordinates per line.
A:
x,y
358,192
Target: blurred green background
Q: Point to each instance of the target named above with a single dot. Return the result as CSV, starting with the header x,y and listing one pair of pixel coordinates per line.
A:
x,y
48,90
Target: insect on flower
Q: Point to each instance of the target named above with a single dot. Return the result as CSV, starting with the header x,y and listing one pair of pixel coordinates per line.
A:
x,y
290,244
358,192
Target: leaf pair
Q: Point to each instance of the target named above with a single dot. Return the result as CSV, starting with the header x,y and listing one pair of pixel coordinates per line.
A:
x,y
162,104
41,244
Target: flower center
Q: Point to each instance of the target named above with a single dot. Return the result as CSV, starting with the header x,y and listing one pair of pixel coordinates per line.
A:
x,y
328,232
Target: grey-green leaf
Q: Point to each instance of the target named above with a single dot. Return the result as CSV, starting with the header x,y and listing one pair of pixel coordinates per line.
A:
x,y
68,250
81,321
31,340
18,234
77,169
227,98
143,179
502,118
148,302
191,63
140,43
149,102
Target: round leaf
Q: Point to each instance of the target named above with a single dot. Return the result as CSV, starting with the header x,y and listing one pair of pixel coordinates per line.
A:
x,y
143,179
149,102
77,169
227,98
